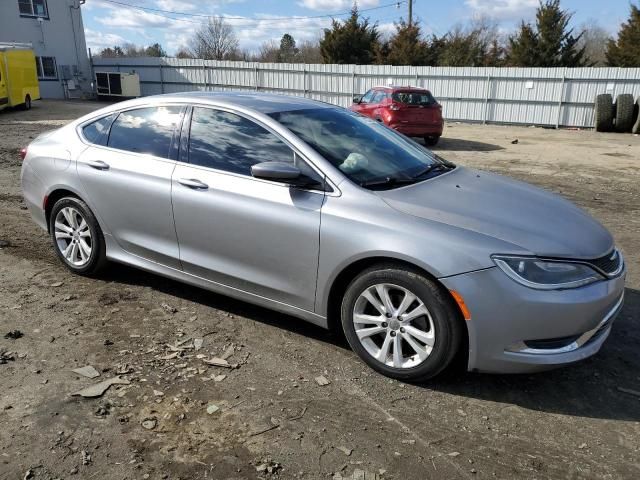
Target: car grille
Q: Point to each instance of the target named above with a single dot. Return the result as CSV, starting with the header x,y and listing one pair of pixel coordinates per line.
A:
x,y
609,264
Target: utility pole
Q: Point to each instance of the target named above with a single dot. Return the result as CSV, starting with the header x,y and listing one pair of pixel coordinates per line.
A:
x,y
410,12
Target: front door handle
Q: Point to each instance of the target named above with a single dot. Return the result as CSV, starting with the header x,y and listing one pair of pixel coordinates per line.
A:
x,y
98,164
193,183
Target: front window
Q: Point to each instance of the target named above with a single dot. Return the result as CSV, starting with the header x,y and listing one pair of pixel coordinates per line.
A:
x,y
226,141
46,68
231,143
33,8
379,97
367,152
366,98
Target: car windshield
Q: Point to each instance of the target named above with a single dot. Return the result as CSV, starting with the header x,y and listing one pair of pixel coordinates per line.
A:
x,y
414,98
366,151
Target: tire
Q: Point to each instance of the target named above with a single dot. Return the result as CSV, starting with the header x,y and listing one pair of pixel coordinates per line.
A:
x,y
604,112
624,112
66,227
636,125
431,141
27,103
443,324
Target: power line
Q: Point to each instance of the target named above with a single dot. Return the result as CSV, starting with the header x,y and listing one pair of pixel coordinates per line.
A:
x,y
159,12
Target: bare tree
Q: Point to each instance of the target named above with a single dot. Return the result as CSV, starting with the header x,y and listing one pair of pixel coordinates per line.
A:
x,y
183,52
594,40
215,40
269,52
309,52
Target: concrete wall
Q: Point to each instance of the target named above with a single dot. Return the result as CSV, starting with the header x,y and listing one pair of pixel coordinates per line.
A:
x,y
60,36
529,96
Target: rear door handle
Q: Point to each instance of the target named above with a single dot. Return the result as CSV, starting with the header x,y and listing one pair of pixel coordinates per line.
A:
x,y
193,183
98,164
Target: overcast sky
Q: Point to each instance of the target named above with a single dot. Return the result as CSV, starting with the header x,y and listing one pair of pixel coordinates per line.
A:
x,y
112,22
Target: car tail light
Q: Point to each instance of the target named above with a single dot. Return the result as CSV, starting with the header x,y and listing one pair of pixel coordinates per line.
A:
x,y
23,153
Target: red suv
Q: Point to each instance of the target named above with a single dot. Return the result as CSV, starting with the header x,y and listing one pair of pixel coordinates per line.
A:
x,y
409,110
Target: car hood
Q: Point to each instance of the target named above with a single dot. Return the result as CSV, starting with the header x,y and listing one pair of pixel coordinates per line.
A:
x,y
539,222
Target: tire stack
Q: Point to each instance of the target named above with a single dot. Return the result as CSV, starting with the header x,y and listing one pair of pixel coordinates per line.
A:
x,y
622,116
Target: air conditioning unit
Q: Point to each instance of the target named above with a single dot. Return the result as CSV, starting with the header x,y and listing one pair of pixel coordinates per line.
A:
x,y
118,84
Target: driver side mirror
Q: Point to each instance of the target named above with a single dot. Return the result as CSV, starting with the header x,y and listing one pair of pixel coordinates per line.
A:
x,y
282,172
357,99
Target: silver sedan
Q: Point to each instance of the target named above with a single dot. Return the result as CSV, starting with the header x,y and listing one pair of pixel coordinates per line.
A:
x,y
329,216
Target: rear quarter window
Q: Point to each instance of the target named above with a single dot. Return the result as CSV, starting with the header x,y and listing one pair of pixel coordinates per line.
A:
x,y
97,132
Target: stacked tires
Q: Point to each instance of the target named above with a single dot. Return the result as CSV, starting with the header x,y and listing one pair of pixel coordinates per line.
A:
x,y
622,116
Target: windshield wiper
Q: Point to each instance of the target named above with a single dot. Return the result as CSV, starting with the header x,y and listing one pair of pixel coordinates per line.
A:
x,y
389,181
395,181
434,167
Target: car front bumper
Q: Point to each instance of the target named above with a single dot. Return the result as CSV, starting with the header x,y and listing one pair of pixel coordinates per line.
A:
x,y
516,329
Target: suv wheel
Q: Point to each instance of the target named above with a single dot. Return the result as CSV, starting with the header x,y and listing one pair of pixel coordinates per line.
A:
x,y
400,323
431,141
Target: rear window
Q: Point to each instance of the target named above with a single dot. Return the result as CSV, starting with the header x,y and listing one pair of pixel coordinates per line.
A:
x,y
145,130
414,98
96,132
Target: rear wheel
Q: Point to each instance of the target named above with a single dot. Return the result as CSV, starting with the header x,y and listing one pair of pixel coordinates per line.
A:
x,y
431,140
77,237
27,103
400,323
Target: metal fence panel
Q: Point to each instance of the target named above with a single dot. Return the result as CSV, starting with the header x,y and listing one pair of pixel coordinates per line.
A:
x,y
529,96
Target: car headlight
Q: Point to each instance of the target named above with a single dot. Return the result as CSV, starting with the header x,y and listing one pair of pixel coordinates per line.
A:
x,y
546,274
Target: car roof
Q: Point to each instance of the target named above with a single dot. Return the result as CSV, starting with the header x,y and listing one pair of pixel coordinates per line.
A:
x,y
260,102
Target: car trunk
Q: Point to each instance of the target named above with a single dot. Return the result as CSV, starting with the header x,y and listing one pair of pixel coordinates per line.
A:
x,y
416,107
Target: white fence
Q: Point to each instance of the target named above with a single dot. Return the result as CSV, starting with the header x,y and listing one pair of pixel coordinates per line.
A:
x,y
557,97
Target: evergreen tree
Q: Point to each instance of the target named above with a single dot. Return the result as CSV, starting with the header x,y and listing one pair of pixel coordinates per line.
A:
x,y
461,50
406,47
434,50
155,50
495,54
625,50
551,44
354,41
523,48
288,50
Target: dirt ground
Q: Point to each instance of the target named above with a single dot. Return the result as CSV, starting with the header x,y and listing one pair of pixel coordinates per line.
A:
x,y
273,419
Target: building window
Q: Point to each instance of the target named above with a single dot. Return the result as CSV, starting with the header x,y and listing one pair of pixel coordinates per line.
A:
x,y
33,8
46,67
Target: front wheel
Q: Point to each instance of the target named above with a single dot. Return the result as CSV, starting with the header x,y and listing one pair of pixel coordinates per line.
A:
x,y
77,237
401,323
27,103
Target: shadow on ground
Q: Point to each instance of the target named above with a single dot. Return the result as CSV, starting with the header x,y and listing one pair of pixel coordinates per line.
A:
x,y
586,389
449,144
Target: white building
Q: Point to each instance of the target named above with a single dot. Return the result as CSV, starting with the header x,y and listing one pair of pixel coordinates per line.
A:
x,y
55,29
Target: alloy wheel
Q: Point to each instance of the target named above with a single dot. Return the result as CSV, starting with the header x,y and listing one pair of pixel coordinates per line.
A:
x,y
73,236
393,325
